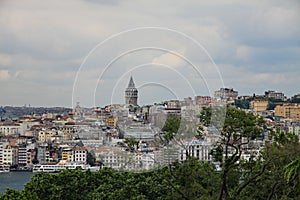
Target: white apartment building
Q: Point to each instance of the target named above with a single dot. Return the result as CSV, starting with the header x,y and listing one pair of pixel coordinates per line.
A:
x,y
123,160
112,157
10,129
147,160
22,155
275,95
79,154
199,149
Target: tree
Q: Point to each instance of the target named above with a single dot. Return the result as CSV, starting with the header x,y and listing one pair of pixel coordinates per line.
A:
x,y
238,130
193,179
292,169
11,194
295,100
271,105
272,184
172,124
243,103
35,161
91,158
131,143
171,127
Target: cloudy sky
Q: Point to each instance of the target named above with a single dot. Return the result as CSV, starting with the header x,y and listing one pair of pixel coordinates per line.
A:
x,y
54,53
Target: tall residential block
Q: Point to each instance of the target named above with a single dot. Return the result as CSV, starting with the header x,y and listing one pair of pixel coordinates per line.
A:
x,y
291,111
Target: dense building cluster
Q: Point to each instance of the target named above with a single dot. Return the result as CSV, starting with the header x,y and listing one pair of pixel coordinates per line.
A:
x,y
133,137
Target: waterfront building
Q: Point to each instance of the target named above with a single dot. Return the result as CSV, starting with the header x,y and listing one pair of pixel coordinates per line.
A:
x,y
30,155
22,155
79,154
113,157
66,154
8,155
1,153
41,153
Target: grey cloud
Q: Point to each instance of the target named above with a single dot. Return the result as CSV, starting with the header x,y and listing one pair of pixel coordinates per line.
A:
x,y
47,42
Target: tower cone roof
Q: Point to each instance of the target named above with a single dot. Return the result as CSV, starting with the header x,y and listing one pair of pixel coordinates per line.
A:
x,y
131,83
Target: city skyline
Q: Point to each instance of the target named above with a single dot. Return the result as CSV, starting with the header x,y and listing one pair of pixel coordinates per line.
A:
x,y
255,47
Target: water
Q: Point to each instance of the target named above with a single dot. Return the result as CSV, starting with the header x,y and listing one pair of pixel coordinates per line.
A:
x,y
14,180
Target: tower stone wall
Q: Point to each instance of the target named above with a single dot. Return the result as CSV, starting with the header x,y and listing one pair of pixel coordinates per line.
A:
x,y
131,93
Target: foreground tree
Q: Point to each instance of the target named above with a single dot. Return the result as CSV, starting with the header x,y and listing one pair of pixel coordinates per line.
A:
x,y
236,133
292,170
193,180
11,194
272,183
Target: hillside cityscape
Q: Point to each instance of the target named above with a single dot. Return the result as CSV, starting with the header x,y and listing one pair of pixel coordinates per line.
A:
x,y
149,100
133,137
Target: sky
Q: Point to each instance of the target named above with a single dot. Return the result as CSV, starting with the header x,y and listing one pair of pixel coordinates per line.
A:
x,y
55,53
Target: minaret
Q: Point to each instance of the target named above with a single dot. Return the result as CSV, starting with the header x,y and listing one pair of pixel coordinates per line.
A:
x,y
131,93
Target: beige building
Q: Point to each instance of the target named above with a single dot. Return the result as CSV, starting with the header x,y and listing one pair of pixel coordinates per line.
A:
x,y
67,132
8,155
45,136
291,111
111,121
259,105
67,155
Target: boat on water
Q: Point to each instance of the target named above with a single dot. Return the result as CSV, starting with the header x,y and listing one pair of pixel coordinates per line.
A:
x,y
4,168
61,166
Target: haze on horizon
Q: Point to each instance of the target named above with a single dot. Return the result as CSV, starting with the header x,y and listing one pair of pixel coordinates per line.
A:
x,y
255,46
